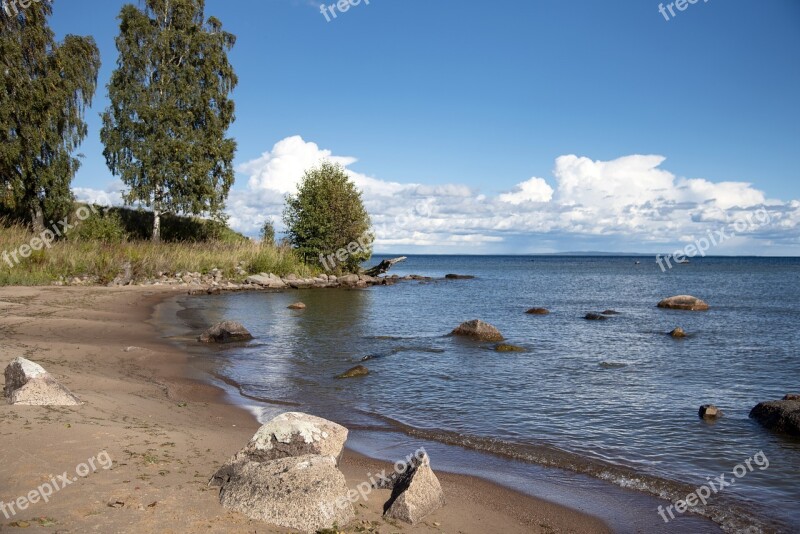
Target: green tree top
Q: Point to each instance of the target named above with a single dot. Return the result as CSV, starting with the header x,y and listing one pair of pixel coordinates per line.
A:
x,y
327,216
164,131
46,89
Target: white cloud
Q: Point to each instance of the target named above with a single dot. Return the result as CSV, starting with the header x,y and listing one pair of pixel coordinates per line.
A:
x,y
631,199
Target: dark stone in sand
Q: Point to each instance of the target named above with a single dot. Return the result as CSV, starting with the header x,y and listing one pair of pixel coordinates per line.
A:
x,y
709,412
478,330
505,347
226,332
683,302
595,317
538,311
358,370
459,276
780,416
678,333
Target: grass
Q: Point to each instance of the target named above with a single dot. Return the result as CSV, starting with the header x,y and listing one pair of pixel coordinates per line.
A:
x,y
105,259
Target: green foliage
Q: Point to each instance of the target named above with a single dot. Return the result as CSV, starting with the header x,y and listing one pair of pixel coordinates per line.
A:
x,y
105,225
268,233
326,215
46,88
164,131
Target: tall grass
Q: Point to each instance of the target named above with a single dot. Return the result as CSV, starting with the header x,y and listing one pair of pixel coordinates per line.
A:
x,y
105,259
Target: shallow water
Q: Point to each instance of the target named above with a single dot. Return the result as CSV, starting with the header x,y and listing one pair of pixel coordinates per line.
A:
x,y
616,400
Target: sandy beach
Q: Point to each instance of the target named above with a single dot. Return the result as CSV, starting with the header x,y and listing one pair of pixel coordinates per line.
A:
x,y
164,432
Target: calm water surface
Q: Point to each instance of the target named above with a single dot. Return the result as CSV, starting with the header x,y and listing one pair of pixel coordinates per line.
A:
x,y
614,400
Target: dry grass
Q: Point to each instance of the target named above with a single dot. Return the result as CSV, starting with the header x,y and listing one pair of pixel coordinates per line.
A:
x,y
105,260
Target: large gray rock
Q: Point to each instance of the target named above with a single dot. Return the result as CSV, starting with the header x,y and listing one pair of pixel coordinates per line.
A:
x,y
416,492
27,383
478,330
289,434
270,281
780,416
226,332
307,493
683,302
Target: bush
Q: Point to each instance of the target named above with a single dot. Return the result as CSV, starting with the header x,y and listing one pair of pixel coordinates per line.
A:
x,y
103,225
326,216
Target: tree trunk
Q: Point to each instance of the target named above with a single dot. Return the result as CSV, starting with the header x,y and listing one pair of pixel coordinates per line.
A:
x,y
383,266
156,225
37,217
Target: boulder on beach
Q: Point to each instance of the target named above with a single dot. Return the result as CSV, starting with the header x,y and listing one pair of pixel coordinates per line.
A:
x,y
678,333
416,493
358,370
538,311
506,347
27,383
478,330
594,316
459,277
269,281
709,412
683,302
307,493
780,416
288,434
226,332
297,306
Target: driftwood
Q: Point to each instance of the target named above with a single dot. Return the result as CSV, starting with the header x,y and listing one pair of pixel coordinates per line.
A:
x,y
383,266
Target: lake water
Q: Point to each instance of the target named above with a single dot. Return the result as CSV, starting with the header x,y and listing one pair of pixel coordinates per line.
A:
x,y
611,403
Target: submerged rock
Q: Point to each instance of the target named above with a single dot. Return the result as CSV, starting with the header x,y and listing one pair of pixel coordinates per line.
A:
x,y
478,330
593,316
683,302
709,412
416,493
611,312
27,383
358,370
780,416
678,333
297,306
226,332
505,347
538,311
459,277
307,493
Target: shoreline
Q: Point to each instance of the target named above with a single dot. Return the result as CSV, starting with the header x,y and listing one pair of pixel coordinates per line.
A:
x,y
165,429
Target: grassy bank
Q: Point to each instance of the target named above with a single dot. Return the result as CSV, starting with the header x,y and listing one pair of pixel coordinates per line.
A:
x,y
104,259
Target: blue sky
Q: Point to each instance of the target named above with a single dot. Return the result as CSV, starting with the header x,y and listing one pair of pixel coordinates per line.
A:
x,y
459,119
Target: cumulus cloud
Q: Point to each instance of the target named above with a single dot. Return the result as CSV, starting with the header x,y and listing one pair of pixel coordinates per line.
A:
x,y
632,199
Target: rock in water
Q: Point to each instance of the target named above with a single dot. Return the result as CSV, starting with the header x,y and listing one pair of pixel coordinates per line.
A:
x,y
297,306
226,332
307,493
505,347
289,434
709,412
683,302
459,277
538,311
678,332
416,493
780,416
592,316
358,370
792,396
27,383
611,312
478,330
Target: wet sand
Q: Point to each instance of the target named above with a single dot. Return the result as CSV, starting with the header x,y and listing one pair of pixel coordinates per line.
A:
x,y
166,431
